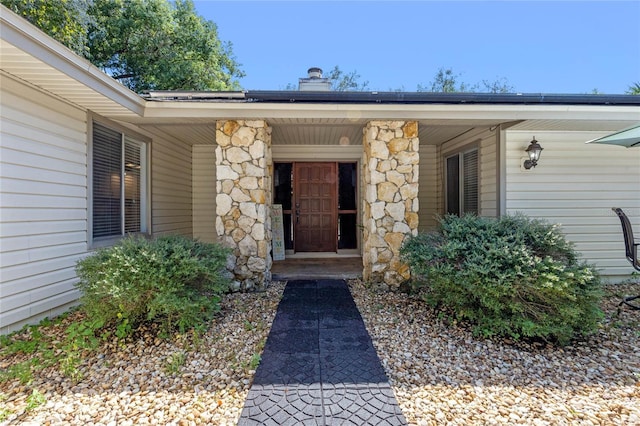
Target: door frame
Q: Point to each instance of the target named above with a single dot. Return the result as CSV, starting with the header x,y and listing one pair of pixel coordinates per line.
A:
x,y
325,153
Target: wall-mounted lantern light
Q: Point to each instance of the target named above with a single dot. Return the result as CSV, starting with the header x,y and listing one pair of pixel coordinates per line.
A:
x,y
533,151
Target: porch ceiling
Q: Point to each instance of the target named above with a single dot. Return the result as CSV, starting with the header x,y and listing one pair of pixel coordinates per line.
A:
x,y
314,131
332,131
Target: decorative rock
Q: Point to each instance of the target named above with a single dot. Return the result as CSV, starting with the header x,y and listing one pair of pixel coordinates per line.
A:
x,y
244,136
386,191
239,196
225,172
223,204
229,127
396,211
237,155
397,145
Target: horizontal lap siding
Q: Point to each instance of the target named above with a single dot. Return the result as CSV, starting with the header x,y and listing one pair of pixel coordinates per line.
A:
x,y
428,191
575,185
43,207
489,176
204,193
171,192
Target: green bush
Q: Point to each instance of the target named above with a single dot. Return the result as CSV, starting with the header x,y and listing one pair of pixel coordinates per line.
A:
x,y
511,276
174,281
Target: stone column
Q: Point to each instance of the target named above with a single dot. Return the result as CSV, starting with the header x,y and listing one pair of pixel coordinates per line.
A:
x,y
390,202
243,214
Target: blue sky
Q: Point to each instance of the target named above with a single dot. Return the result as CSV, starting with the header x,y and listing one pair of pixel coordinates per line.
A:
x,y
539,46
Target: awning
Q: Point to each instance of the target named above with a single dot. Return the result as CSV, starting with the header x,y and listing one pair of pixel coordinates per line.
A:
x,y
627,138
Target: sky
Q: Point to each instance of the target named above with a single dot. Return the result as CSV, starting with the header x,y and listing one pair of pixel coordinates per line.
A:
x,y
537,46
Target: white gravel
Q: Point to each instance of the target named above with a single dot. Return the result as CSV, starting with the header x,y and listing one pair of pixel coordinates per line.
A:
x,y
440,373
134,384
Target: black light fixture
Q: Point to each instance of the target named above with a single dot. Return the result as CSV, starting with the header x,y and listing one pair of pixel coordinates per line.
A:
x,y
533,151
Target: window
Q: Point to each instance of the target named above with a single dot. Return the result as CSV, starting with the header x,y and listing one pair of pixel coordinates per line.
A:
x,y
118,184
461,183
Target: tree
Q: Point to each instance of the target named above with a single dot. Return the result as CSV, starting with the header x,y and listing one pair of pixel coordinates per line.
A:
x,y
349,82
144,44
634,89
151,45
64,20
446,81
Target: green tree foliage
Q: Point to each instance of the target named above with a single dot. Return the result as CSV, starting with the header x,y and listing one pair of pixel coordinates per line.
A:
x,y
346,82
65,20
634,89
152,45
511,276
447,81
145,44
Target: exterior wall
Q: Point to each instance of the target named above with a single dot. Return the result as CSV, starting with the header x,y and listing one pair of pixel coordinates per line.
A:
x,y
204,193
171,187
429,192
576,185
43,216
489,175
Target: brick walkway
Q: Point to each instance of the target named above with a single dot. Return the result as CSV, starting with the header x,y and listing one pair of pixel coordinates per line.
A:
x,y
319,366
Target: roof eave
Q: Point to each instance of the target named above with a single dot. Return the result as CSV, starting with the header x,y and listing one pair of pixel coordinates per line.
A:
x,y
18,32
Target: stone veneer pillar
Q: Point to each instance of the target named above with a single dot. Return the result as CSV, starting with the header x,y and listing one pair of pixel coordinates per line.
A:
x,y
390,210
243,214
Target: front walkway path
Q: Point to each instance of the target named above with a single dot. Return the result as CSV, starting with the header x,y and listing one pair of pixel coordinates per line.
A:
x,y
319,366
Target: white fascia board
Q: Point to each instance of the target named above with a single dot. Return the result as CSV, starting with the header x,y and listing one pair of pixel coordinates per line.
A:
x,y
31,40
357,112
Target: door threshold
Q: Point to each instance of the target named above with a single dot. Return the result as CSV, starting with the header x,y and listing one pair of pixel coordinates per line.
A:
x,y
318,255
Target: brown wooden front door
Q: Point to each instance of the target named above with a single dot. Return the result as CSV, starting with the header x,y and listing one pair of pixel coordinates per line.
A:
x,y
315,207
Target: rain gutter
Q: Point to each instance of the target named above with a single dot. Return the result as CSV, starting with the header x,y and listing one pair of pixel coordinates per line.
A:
x,y
438,98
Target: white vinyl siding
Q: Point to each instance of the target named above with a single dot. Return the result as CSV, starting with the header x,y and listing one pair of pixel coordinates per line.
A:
x,y
172,204
576,185
429,194
43,210
489,175
204,193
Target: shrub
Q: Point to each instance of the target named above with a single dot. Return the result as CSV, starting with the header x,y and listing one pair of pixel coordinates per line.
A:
x,y
511,276
174,281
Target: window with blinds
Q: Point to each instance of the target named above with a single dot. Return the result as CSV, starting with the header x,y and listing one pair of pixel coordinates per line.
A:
x,y
462,180
118,184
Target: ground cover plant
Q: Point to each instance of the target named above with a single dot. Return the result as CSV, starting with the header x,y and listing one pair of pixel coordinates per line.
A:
x,y
172,280
512,276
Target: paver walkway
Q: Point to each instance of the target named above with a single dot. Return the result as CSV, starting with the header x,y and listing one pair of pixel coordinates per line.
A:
x,y
319,366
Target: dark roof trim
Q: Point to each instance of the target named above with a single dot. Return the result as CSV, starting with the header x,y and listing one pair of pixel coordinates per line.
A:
x,y
282,96
438,98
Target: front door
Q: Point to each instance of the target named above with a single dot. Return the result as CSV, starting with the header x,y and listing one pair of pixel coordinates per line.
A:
x,y
315,207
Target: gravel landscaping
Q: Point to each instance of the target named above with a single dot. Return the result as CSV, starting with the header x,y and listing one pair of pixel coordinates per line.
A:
x,y
440,372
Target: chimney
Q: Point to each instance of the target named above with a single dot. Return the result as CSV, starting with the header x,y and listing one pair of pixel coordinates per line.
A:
x,y
314,82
